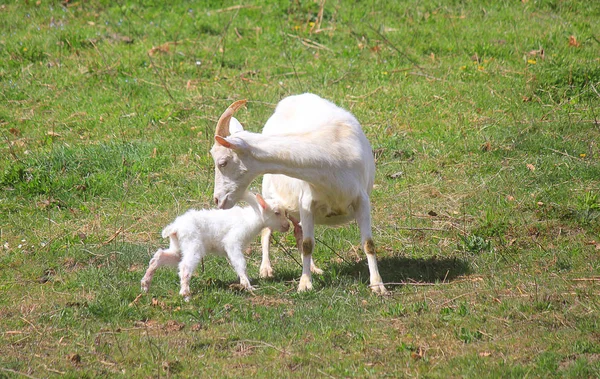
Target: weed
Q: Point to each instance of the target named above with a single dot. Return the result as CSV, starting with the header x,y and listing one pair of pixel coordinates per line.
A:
x,y
586,347
395,310
475,244
463,310
548,362
468,336
589,207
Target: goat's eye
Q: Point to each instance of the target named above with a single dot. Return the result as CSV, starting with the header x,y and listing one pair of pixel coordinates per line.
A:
x,y
222,164
277,213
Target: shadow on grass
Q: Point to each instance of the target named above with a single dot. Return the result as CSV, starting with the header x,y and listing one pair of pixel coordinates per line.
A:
x,y
392,269
402,269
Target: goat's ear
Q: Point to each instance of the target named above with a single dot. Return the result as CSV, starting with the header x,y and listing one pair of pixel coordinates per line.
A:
x,y
223,142
233,143
261,201
235,126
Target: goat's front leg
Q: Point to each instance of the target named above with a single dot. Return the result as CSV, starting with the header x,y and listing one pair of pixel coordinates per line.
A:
x,y
299,237
237,260
266,271
363,218
308,242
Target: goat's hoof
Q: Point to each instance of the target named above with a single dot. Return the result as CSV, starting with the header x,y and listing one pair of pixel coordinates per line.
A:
x,y
305,284
186,295
379,289
145,287
266,272
315,270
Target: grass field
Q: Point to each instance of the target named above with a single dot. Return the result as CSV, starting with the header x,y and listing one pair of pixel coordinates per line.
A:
x,y
485,122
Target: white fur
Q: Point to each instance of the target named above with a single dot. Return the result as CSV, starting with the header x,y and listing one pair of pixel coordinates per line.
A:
x,y
225,232
319,167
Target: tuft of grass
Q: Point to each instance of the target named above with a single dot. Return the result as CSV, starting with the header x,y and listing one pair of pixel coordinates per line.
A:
x,y
475,244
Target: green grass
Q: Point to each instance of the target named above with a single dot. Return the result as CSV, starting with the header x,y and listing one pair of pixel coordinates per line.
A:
x,y
485,120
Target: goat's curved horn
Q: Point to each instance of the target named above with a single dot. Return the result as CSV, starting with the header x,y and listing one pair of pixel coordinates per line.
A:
x,y
223,124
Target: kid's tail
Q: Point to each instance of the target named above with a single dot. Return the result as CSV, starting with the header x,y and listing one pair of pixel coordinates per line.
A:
x,y
170,232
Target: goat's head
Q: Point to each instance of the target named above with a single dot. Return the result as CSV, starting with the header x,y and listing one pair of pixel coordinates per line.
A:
x,y
232,175
274,216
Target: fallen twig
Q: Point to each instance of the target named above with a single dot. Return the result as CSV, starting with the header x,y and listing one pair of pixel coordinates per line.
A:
x,y
10,148
138,297
33,326
455,298
317,24
16,372
113,236
236,7
424,228
310,43
425,284
265,344
411,60
592,279
54,371
563,153
366,95
407,284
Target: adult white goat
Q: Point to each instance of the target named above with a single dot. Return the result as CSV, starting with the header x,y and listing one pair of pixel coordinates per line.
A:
x,y
322,165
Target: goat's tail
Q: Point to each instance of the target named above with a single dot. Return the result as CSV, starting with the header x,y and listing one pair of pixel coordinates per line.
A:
x,y
171,232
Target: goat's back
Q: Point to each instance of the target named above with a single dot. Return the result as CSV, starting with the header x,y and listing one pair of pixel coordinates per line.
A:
x,y
212,225
307,114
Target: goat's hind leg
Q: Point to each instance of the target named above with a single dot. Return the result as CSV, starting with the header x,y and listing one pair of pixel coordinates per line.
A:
x,y
308,242
169,257
363,218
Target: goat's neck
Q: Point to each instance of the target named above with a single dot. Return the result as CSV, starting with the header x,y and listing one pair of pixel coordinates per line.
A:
x,y
297,156
253,220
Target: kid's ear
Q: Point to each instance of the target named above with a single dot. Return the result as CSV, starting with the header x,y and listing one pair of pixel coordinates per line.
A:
x,y
261,201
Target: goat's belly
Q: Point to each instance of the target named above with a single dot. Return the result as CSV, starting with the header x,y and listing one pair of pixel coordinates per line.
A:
x,y
330,219
332,213
328,210
325,214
